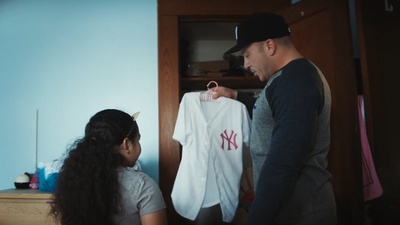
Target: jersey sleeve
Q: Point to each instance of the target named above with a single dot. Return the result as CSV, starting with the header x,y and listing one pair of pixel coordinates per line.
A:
x,y
180,130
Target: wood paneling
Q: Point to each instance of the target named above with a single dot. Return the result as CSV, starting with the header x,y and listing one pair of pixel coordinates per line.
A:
x,y
219,7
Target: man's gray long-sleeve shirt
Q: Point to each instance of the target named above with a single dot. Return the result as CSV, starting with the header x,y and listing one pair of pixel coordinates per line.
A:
x,y
290,138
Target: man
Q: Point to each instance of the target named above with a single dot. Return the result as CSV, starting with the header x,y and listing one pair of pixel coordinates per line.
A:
x,y
290,131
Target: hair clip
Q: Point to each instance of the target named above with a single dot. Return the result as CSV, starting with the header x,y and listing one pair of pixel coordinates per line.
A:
x,y
135,116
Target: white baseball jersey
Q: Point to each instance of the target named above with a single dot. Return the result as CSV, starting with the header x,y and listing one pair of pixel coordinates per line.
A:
x,y
210,132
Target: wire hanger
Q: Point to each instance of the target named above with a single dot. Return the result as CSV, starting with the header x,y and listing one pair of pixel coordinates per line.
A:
x,y
207,95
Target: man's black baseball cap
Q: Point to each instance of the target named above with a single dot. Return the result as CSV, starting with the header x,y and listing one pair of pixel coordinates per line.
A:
x,y
259,27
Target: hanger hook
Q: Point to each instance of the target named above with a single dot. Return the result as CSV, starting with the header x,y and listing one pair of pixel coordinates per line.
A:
x,y
214,83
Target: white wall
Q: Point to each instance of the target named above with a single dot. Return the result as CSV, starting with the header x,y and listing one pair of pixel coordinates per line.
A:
x,y
70,59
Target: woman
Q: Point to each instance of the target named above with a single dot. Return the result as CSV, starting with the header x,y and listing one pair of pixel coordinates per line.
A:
x,y
95,185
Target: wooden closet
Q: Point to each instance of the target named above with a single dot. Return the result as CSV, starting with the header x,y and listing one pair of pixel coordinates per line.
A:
x,y
321,31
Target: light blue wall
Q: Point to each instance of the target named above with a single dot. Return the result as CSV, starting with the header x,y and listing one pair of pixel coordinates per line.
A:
x,y
70,59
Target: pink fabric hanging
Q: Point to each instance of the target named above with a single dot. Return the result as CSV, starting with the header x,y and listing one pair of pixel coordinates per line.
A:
x,y
372,186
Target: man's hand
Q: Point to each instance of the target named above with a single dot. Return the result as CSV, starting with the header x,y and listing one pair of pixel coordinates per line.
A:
x,y
224,92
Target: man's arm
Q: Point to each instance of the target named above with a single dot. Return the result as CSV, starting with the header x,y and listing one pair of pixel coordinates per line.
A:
x,y
247,99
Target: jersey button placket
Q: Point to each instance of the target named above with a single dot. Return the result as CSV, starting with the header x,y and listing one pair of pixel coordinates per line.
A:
x,y
203,178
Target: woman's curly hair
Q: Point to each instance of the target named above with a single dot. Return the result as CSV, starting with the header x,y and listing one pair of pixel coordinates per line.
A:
x,y
88,190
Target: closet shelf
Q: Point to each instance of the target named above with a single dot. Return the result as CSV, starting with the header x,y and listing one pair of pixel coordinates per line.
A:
x,y
239,82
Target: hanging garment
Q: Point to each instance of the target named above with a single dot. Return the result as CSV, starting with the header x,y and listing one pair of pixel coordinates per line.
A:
x,y
372,186
212,134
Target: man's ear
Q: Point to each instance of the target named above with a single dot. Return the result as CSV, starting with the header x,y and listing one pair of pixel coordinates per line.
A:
x,y
270,46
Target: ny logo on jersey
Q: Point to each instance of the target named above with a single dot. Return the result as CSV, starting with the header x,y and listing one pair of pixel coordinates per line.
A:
x,y
224,136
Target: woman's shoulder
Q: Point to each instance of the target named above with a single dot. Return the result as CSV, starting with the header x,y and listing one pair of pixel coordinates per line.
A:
x,y
139,192
131,177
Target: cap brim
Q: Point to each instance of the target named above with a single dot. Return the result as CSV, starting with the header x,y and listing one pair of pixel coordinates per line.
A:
x,y
234,49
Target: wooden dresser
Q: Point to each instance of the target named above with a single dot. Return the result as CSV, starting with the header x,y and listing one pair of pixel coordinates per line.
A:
x,y
25,207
